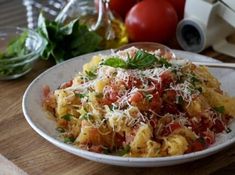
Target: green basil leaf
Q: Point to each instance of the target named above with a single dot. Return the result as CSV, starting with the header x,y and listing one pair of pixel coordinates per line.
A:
x,y
141,60
115,62
68,28
42,26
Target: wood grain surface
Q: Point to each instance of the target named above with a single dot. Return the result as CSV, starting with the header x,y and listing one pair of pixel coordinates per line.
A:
x,y
23,146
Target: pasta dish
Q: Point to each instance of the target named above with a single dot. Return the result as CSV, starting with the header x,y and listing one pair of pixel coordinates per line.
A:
x,y
138,103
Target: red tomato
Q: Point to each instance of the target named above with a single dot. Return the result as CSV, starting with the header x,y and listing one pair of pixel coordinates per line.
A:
x,y
179,7
155,102
209,137
120,7
198,145
174,126
218,126
151,20
136,98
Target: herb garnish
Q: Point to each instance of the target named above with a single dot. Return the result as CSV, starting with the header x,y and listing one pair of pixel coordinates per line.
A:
x,y
80,95
179,100
67,117
16,47
60,129
90,75
124,151
85,116
141,60
148,97
69,139
220,109
64,41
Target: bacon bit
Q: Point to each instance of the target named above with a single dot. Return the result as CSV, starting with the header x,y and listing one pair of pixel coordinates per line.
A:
x,y
66,84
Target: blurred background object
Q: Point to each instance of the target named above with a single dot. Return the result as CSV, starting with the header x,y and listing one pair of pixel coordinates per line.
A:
x,y
24,13
50,8
207,23
12,13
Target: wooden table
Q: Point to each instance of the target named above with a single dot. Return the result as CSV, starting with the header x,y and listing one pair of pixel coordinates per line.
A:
x,y
23,146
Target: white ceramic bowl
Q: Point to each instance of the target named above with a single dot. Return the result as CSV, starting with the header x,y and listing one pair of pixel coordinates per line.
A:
x,y
38,120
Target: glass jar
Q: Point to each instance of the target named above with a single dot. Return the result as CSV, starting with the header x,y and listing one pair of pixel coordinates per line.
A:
x,y
98,18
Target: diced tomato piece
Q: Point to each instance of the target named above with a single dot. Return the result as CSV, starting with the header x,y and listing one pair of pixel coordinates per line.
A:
x,y
153,122
66,84
209,137
156,102
46,91
218,126
111,95
170,128
170,108
96,148
170,96
133,82
198,145
119,139
174,126
136,98
166,77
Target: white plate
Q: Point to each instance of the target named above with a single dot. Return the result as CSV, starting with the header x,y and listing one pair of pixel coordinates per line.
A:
x,y
38,120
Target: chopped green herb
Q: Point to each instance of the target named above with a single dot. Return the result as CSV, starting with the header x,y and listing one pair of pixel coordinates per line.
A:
x,y
67,117
85,116
149,97
90,75
194,79
80,95
60,129
69,139
220,109
124,151
164,62
113,107
106,151
202,140
179,100
199,89
228,130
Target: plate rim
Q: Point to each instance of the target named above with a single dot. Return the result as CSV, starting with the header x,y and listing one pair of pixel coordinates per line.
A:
x,y
103,157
